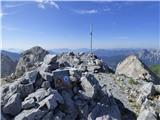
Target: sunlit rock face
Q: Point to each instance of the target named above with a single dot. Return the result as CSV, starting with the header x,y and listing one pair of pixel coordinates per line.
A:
x,y
134,68
30,59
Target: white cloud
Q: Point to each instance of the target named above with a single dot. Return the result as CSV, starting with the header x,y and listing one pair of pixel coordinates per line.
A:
x,y
43,3
89,11
41,6
7,28
2,14
12,5
54,4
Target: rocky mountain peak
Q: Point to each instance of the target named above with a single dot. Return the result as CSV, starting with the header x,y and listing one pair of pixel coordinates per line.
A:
x,y
135,68
30,59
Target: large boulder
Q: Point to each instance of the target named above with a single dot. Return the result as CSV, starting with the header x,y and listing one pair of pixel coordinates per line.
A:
x,y
87,87
30,59
31,114
50,102
90,86
13,106
146,91
134,68
39,95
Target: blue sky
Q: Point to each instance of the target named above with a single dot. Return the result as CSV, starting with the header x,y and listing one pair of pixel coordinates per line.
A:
x,y
66,24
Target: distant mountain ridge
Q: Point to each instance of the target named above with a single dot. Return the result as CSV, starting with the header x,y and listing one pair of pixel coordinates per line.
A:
x,y
110,56
113,57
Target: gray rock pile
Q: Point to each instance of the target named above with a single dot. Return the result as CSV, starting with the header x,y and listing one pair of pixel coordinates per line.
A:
x,y
134,68
83,62
149,100
58,88
144,84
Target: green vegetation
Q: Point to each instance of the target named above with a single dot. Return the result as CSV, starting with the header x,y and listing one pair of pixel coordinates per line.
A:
x,y
132,81
155,69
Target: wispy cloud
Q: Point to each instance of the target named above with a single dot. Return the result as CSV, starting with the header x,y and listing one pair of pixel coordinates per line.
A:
x,y
7,28
2,14
13,28
12,5
88,11
43,3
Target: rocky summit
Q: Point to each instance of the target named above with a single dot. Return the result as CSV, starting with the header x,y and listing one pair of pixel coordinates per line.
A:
x,y
136,69
79,86
29,60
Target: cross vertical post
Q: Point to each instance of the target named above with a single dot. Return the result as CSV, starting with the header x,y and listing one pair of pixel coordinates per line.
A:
x,y
91,33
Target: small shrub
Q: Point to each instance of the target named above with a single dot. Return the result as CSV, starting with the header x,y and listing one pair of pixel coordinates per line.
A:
x,y
132,82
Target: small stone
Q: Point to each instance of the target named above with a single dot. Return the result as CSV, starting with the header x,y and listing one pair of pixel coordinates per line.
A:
x,y
39,94
47,76
48,59
27,104
45,84
50,102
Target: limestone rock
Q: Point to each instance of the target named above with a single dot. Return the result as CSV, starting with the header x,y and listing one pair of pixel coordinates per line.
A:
x,y
50,102
13,106
39,94
87,87
146,91
29,60
26,89
134,68
47,76
147,115
49,59
31,114
27,104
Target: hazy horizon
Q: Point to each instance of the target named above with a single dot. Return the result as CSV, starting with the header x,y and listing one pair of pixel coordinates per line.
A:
x,y
58,25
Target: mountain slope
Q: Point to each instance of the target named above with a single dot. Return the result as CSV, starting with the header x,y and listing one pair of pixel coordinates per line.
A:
x,y
8,65
12,55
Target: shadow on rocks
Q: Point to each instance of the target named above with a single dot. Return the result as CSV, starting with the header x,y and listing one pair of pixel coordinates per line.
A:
x,y
126,114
